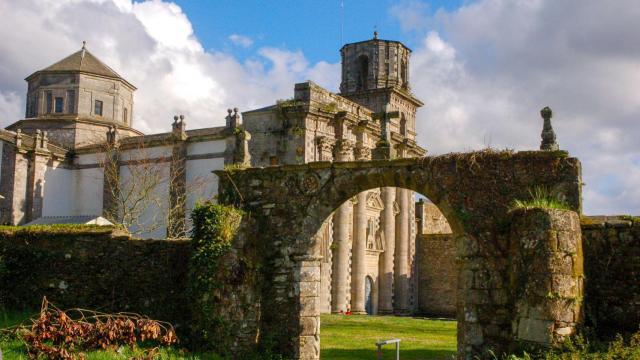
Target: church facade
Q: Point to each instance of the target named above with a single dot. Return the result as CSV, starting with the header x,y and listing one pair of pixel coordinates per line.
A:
x,y
77,153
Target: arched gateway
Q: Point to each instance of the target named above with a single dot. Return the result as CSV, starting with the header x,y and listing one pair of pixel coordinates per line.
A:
x,y
288,204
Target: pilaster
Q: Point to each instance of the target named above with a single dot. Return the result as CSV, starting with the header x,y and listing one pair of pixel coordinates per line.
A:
x,y
38,159
401,259
176,225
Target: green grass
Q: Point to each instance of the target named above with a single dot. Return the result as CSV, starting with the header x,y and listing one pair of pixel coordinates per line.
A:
x,y
540,198
354,337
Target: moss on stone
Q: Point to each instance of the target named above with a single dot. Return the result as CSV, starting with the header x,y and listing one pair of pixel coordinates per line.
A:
x,y
58,229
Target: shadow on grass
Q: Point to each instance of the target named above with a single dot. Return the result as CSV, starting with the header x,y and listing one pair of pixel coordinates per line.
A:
x,y
388,354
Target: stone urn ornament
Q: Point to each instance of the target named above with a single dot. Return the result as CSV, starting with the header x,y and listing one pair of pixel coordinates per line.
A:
x,y
548,136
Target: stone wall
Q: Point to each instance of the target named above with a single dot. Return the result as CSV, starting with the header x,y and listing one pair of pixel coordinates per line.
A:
x,y
437,275
546,275
94,269
612,268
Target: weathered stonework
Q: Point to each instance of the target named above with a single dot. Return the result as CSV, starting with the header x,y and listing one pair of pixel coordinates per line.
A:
x,y
437,274
612,269
547,275
474,192
106,270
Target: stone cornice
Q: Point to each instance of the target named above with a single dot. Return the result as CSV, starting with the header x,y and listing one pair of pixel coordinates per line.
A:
x,y
70,119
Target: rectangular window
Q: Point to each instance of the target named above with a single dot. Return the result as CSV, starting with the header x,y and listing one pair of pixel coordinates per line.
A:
x,y
71,101
97,108
49,102
124,116
59,104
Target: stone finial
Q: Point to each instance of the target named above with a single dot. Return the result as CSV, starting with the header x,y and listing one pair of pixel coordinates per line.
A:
x,y
112,135
375,34
233,119
84,44
548,135
179,127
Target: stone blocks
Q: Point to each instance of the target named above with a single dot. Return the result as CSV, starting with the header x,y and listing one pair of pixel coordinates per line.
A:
x,y
547,275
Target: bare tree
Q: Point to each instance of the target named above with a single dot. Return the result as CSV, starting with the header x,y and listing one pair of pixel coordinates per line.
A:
x,y
145,192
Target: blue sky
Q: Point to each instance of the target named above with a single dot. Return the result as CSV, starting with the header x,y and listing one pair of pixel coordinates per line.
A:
x,y
313,26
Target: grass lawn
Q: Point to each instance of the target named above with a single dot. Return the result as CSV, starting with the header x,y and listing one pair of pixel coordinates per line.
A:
x,y
343,337
354,337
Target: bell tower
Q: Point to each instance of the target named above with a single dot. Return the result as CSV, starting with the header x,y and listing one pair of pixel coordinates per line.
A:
x,y
375,73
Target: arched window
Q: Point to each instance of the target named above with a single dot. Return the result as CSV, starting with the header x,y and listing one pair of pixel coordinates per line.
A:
x,y
363,72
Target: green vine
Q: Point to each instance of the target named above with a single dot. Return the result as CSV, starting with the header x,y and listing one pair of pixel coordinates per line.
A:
x,y
214,227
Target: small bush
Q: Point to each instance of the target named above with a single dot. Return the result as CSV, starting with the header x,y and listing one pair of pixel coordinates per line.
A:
x,y
582,348
540,198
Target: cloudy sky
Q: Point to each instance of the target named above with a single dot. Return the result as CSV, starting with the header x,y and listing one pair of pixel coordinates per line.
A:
x,y
484,68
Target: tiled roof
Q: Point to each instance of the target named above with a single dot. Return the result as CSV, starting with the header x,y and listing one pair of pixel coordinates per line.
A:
x,y
83,61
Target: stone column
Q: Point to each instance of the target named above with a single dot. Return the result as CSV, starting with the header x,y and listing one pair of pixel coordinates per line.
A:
x,y
308,273
342,239
401,258
359,255
385,305
359,252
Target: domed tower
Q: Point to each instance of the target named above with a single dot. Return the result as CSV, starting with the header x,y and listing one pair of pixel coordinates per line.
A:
x,y
376,73
76,100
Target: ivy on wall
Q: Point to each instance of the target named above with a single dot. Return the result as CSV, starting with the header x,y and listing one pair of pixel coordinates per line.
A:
x,y
214,227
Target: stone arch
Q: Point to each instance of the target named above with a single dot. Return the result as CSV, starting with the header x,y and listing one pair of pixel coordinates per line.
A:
x,y
473,190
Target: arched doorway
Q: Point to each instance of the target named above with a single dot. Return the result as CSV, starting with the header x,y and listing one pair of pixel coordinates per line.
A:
x,y
368,295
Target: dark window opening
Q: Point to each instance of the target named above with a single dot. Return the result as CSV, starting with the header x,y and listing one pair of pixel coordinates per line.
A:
x,y
363,72
124,115
49,102
403,74
273,160
59,104
97,108
71,101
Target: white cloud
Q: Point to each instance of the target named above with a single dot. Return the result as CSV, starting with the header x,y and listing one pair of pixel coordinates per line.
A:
x,y
151,44
485,70
241,40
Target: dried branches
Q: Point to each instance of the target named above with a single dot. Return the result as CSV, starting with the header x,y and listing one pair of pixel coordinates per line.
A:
x,y
63,335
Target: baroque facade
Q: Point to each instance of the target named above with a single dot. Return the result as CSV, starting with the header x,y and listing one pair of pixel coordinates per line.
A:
x,y
368,244
77,153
